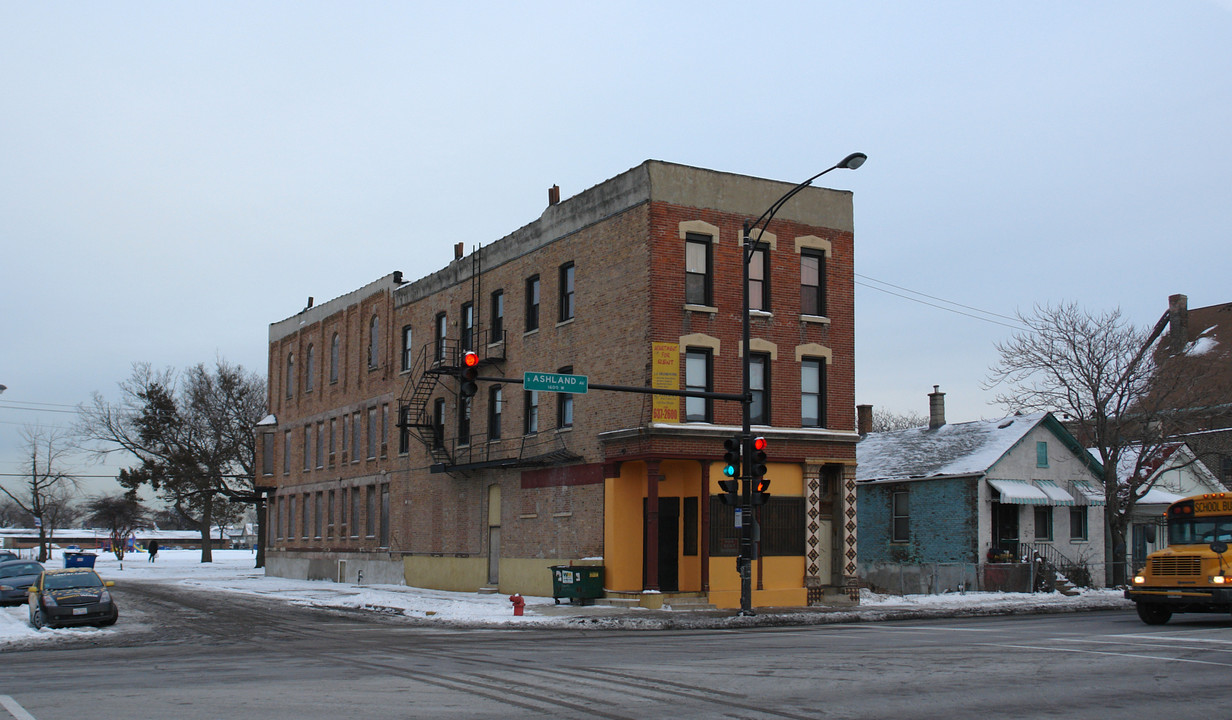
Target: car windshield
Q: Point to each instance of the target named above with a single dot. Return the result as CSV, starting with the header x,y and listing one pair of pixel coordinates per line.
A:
x,y
1199,531
63,581
20,569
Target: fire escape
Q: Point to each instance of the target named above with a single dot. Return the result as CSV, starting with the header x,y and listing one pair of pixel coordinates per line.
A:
x,y
434,377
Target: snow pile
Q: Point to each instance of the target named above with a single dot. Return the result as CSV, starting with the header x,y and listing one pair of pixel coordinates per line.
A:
x,y
232,571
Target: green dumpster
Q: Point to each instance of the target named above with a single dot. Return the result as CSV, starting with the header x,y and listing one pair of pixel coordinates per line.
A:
x,y
577,582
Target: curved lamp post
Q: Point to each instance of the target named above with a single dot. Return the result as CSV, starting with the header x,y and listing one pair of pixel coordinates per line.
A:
x,y
751,246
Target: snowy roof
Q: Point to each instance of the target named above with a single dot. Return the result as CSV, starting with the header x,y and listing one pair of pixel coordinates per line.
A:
x,y
961,449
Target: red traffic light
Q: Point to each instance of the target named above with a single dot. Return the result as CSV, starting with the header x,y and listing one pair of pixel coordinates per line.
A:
x,y
759,443
470,359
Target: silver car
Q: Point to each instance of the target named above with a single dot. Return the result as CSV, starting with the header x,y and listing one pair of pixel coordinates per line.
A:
x,y
16,577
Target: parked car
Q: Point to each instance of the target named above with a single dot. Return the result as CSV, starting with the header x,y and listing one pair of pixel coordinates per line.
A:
x,y
6,555
71,596
16,577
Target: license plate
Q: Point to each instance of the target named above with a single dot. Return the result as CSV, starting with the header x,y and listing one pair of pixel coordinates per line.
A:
x,y
79,611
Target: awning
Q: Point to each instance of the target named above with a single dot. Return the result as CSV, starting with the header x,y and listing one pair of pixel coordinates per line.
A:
x,y
1088,493
1019,492
1054,493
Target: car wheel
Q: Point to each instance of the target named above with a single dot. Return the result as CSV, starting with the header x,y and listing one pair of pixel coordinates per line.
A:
x,y
36,617
115,615
1153,614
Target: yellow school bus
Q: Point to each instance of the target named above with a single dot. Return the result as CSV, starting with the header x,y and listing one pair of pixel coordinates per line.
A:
x,y
1194,573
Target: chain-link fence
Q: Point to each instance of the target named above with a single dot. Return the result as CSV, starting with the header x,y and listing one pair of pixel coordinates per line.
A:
x,y
936,578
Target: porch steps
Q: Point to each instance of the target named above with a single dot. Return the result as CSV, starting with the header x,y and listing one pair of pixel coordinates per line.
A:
x,y
655,600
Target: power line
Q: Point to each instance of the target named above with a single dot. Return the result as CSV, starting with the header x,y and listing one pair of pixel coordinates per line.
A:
x,y
941,307
11,406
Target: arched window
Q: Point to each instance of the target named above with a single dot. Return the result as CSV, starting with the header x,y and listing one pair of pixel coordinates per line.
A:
x,y
333,359
374,327
310,368
289,380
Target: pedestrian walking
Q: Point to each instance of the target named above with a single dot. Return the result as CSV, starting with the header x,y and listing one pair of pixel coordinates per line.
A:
x,y
153,548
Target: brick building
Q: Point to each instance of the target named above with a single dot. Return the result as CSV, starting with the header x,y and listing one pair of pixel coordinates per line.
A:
x,y
381,467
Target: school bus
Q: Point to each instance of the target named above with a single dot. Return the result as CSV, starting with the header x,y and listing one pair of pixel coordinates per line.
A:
x,y
1193,574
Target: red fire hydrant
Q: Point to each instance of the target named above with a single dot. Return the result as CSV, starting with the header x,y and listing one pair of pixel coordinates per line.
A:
x,y
519,602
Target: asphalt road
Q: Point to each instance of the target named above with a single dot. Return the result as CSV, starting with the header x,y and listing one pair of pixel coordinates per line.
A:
x,y
228,656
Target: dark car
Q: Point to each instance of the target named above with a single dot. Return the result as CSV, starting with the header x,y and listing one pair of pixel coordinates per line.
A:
x,y
6,555
71,596
16,577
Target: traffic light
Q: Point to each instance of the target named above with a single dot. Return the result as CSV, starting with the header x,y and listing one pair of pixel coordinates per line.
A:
x,y
730,484
469,374
757,469
731,458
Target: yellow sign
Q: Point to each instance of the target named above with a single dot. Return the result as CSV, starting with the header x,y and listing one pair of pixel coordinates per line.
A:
x,y
665,376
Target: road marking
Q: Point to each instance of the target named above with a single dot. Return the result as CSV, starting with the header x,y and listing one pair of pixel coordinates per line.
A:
x,y
1174,638
1114,654
17,711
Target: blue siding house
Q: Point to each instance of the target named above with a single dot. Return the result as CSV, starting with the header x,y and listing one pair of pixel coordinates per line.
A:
x,y
978,492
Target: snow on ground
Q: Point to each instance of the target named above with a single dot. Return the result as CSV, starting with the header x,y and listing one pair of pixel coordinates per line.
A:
x,y
232,571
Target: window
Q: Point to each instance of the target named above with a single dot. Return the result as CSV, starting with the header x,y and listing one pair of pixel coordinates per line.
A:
x,y
759,384
468,327
759,289
384,542
310,366
289,380
697,378
404,430
900,517
371,437
1078,523
267,453
532,303
697,277
320,444
464,420
374,332
307,448
291,501
385,430
346,435
407,358
442,330
495,406
530,414
286,453
1041,454
329,515
305,529
334,344
278,506
319,508
370,491
782,522
438,423
564,403
813,392
812,283
497,307
333,439
1043,523
355,436
356,503
566,292
342,513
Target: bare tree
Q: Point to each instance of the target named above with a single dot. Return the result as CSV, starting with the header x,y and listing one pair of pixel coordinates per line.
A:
x,y
191,433
121,515
46,489
887,420
13,515
1094,369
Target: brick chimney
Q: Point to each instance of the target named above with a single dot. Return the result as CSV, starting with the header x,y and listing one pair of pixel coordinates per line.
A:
x,y
936,408
864,419
1178,322
457,251
554,195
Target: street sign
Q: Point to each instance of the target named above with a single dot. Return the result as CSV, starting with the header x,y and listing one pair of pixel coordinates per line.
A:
x,y
554,382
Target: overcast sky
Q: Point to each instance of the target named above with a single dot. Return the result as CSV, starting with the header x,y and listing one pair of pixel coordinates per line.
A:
x,y
176,176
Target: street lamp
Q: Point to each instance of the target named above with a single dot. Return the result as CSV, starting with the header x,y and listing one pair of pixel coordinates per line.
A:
x,y
751,246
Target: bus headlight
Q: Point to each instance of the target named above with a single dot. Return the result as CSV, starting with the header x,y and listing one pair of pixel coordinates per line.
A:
x,y
1218,580
1139,580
